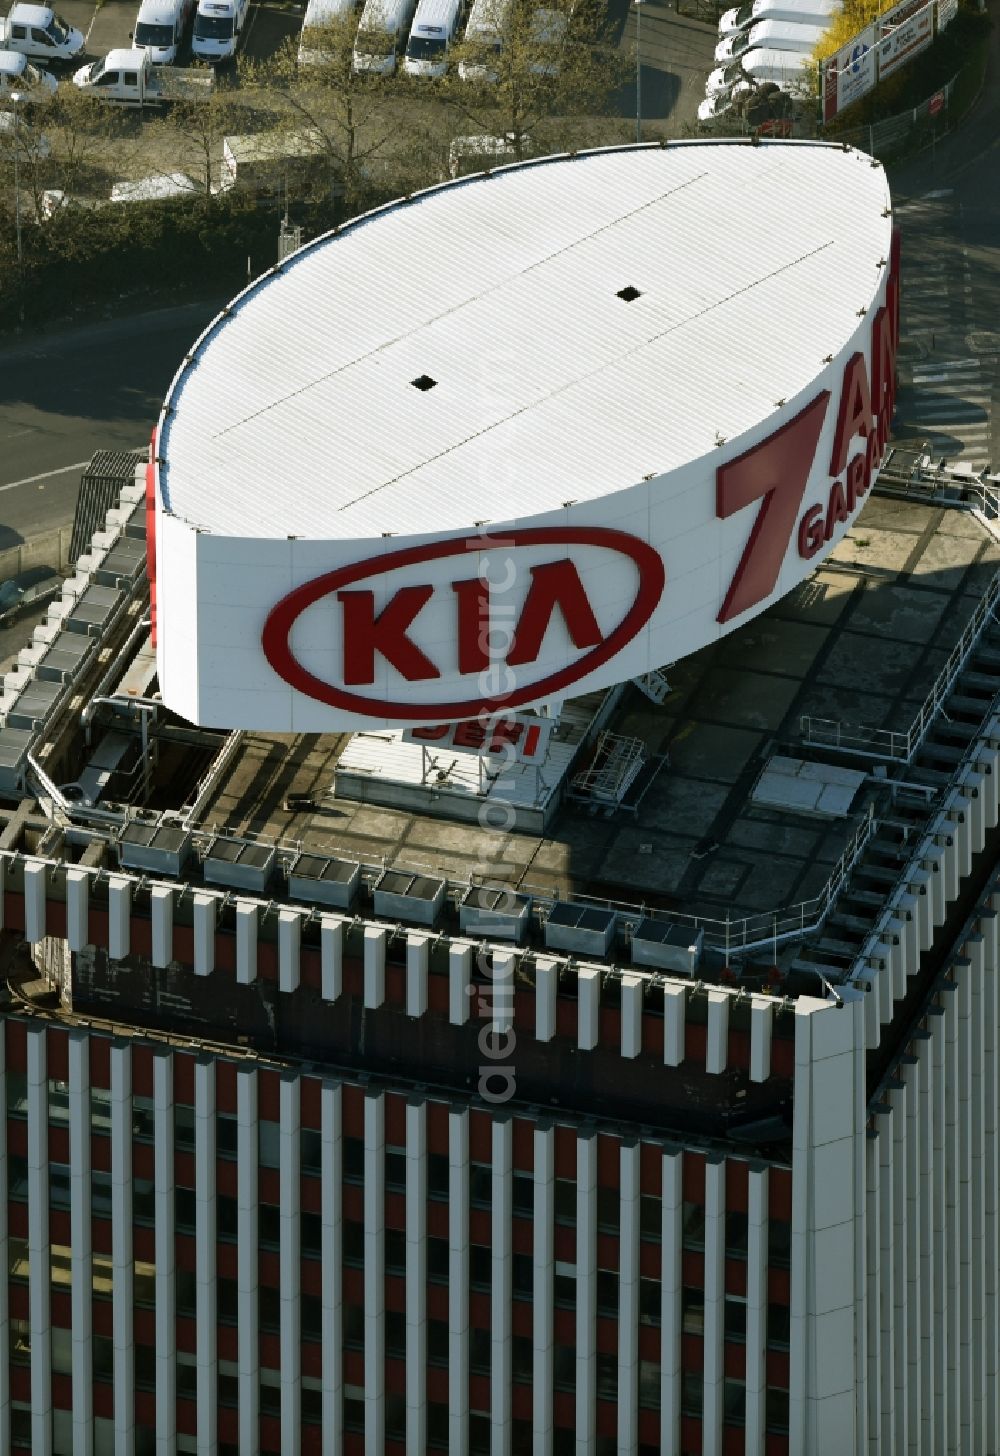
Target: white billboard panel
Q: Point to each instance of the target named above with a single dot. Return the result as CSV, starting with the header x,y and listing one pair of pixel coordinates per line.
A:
x,y
849,74
904,31
947,10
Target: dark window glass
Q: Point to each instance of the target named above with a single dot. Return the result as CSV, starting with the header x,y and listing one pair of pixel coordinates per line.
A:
x,y
311,1234
607,1376
311,1151
229,1301
777,1325
523,1275
437,1342
479,1352
650,1301
437,1176
186,1286
395,1417
693,1311
100,1196
227,1216
564,1367
354,1242
779,1242
269,1225
523,1194
395,1251
777,1409
312,1317
437,1259
734,1399
650,1216
17,1094
269,1307
312,1411
649,1384
565,1200
354,1160
269,1143
143,1200
480,1185
354,1326
564,1290
184,1210
184,1127
437,1424
694,1225
145,1366
354,1415
736,1235
607,1292
395,1169
608,1210
522,1356
17,1179
226,1132
691,1394
229,1390
480,1267
479,1435
736,1319
104,1357
143,1119
187,1380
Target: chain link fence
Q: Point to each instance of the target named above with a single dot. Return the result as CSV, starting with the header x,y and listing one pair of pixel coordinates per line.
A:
x,y
910,130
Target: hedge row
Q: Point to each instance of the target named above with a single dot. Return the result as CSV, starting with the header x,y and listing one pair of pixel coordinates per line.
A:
x,y
88,257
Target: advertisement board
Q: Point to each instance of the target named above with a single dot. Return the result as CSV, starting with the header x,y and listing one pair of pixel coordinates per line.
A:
x,y
849,74
904,31
946,12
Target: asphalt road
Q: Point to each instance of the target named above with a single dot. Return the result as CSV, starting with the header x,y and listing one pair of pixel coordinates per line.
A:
x,y
65,395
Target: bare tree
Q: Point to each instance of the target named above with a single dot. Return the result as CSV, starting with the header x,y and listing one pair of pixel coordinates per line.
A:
x,y
189,136
538,78
346,118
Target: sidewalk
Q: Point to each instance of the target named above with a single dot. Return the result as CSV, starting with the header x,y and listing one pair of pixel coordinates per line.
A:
x,y
977,134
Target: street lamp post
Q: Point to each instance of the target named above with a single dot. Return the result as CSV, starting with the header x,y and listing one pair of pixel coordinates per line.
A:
x,y
638,70
15,97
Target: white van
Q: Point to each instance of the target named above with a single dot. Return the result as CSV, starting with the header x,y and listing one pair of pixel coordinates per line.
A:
x,y
318,14
804,12
217,27
434,27
776,35
160,27
548,31
40,34
483,37
787,69
18,74
382,34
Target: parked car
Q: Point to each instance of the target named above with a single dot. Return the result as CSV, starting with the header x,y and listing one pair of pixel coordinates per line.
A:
x,y
40,34
31,587
18,76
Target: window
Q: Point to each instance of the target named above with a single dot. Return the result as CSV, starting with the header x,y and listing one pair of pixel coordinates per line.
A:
x,y
522,1357
270,1393
735,1318
101,1201
565,1200
17,1094
269,1144
694,1226
311,1150
523,1276
438,1185
480,1267
437,1259
17,1179
650,1216
608,1210
228,1296
523,1194
311,1234
20,1342
395,1251
693,1311
354,1160
607,1376
226,1134
143,1200
779,1242
143,1119
186,1287
564,1367
564,1284
479,1352
184,1127
649,1384
607,1292
354,1326
692,1391
395,1169
354,1242
58,1103
734,1399
269,1226
184,1210
776,1409
736,1235
227,1216
650,1301
480,1185
437,1342
777,1325
130,78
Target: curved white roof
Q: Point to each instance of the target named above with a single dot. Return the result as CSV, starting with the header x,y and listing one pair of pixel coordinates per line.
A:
x,y
296,413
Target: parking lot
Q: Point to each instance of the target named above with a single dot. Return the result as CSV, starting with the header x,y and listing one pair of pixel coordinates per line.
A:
x,y
676,50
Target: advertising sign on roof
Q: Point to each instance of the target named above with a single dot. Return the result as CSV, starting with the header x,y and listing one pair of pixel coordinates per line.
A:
x,y
849,73
905,30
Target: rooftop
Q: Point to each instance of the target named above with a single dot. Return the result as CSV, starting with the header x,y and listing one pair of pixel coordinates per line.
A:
x,y
325,402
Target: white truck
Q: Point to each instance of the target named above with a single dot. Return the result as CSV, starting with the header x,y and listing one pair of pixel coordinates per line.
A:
x,y
40,34
129,78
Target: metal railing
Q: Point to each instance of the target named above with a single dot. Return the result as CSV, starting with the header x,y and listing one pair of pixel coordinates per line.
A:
x,y
210,781
897,746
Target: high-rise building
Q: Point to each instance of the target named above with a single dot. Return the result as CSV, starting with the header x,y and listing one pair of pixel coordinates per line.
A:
x,y
617,1079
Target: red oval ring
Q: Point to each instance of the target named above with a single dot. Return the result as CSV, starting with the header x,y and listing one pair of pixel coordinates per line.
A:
x,y
282,618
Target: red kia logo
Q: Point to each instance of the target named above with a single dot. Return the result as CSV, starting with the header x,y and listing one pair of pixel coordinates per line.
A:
x,y
555,586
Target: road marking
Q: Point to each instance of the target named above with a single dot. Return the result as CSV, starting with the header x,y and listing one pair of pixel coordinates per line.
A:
x,y
46,475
